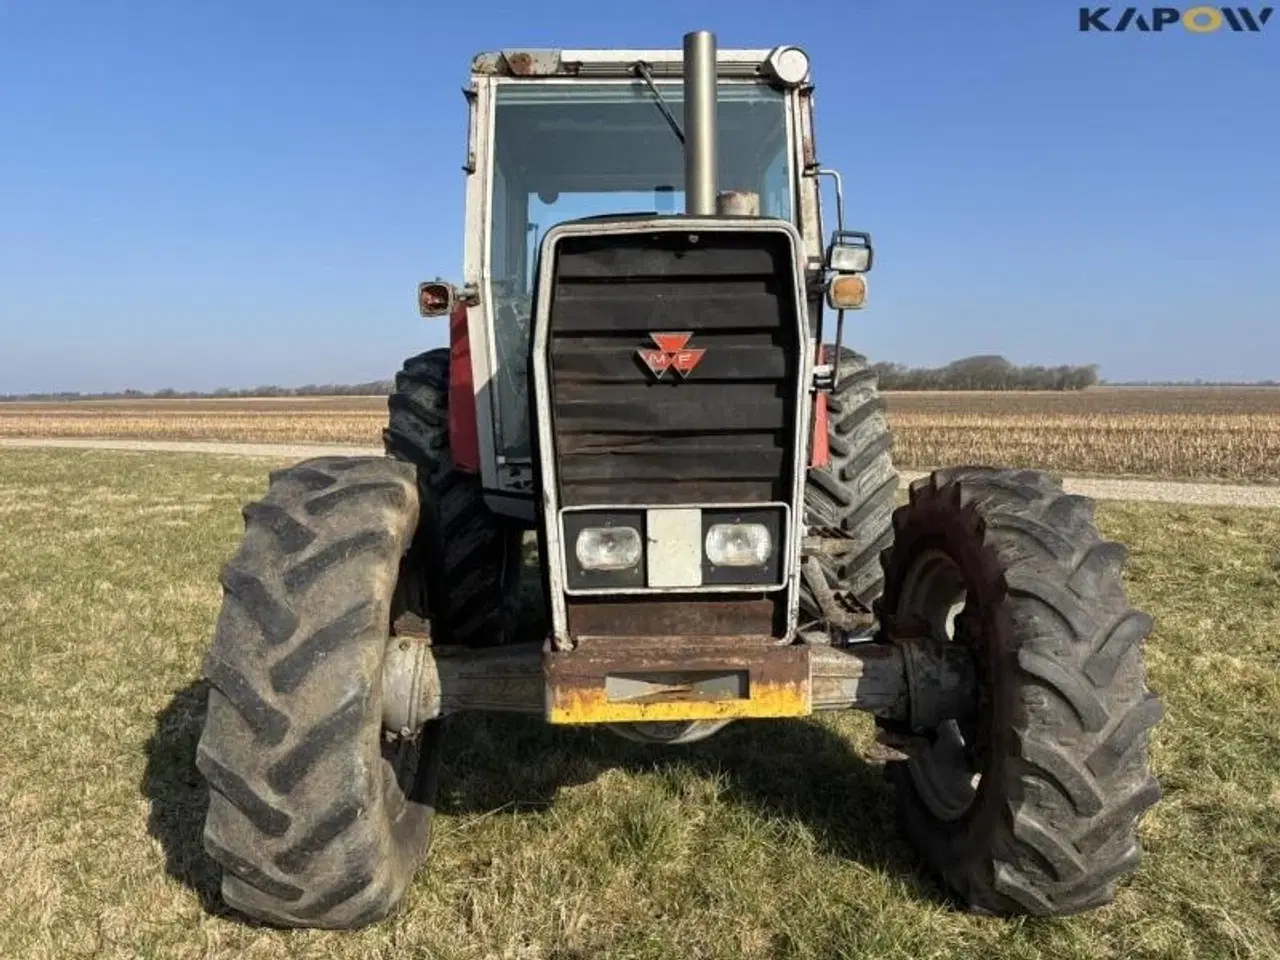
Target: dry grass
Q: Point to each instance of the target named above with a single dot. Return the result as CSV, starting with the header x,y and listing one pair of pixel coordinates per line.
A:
x,y
773,839
1171,433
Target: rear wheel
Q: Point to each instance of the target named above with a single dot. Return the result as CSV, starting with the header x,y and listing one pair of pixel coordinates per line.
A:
x,y
1033,806
463,569
315,816
850,501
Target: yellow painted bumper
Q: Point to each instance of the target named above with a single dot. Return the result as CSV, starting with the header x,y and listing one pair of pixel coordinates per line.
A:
x,y
766,680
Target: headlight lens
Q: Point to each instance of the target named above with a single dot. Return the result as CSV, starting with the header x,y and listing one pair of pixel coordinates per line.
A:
x,y
739,544
608,548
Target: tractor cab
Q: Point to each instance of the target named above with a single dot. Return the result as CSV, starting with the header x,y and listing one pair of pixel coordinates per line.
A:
x,y
562,135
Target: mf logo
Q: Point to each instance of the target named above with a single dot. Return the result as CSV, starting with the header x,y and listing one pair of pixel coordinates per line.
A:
x,y
1156,19
671,354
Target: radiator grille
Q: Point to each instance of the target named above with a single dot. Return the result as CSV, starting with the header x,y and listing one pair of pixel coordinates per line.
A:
x,y
725,433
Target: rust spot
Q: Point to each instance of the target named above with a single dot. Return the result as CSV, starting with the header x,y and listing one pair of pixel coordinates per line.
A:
x,y
808,149
738,203
520,64
693,616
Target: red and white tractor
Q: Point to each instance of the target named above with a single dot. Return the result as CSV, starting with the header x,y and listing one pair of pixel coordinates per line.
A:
x,y
636,373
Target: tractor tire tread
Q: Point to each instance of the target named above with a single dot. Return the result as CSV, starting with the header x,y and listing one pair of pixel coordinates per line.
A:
x,y
1060,827
467,559
300,820
855,493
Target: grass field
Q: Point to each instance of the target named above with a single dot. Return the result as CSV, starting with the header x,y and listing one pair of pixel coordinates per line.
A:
x,y
771,840
1171,433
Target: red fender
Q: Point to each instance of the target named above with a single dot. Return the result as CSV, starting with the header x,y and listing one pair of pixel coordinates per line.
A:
x,y
464,440
820,447
820,455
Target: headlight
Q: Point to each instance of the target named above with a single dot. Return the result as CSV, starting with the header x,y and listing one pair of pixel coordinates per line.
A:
x,y
738,544
608,548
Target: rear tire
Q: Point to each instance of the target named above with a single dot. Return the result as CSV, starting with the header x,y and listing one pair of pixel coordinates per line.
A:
x,y
1007,563
852,498
316,819
464,566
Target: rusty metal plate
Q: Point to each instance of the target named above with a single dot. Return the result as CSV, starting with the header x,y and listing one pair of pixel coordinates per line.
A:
x,y
617,620
609,682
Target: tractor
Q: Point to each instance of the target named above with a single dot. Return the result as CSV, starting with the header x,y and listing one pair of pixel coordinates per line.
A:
x,y
638,374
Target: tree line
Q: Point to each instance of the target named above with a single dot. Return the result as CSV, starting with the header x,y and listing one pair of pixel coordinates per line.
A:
x,y
371,388
986,372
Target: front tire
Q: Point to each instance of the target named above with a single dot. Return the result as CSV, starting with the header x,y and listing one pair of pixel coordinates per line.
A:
x,y
316,818
1033,807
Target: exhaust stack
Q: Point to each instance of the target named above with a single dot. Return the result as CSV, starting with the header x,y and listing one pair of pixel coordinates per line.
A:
x,y
700,123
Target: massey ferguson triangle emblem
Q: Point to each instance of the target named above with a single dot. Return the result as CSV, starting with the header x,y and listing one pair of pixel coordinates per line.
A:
x,y
671,354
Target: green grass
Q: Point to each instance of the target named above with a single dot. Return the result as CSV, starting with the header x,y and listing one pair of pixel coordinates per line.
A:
x,y
770,840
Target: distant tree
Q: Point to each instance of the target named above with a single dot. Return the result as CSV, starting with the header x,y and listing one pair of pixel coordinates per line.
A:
x,y
985,372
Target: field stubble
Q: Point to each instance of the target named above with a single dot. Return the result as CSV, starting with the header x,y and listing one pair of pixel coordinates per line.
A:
x,y
771,840
1171,433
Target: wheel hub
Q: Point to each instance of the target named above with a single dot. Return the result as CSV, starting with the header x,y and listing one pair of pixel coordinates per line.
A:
x,y
946,766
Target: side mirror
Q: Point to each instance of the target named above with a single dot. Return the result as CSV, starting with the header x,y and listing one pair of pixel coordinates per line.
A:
x,y
850,252
436,299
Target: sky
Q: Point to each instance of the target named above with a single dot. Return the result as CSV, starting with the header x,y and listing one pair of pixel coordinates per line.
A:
x,y
199,194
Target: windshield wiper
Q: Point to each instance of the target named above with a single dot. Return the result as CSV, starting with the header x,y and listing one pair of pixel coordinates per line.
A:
x,y
642,71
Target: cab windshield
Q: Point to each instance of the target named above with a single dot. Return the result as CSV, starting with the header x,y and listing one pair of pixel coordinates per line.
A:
x,y
568,150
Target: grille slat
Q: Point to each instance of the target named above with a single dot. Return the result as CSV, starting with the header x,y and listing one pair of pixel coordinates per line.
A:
x,y
671,465
727,360
724,434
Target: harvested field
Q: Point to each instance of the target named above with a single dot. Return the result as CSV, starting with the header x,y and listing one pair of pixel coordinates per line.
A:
x,y
257,420
1210,433
771,840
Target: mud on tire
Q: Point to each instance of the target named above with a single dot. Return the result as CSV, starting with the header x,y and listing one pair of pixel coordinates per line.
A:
x,y
315,819
1060,741
464,564
854,496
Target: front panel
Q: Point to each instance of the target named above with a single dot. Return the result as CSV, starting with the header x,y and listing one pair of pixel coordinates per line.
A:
x,y
670,363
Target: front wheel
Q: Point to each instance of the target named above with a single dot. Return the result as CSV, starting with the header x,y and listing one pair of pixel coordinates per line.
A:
x,y
316,817
1033,806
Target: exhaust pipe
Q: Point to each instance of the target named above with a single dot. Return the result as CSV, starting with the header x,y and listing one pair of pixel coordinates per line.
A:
x,y
700,123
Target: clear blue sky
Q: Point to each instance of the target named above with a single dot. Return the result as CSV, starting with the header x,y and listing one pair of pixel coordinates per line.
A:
x,y
200,194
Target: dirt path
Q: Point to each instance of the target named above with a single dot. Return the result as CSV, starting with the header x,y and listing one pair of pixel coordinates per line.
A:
x,y
1149,491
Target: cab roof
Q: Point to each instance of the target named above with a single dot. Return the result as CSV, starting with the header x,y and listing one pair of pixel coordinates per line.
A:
x,y
746,64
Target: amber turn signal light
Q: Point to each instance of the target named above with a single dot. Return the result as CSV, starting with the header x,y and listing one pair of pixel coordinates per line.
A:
x,y
847,292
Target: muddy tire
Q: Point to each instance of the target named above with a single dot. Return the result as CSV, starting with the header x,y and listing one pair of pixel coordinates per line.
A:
x,y
852,498
315,819
463,568
1007,563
